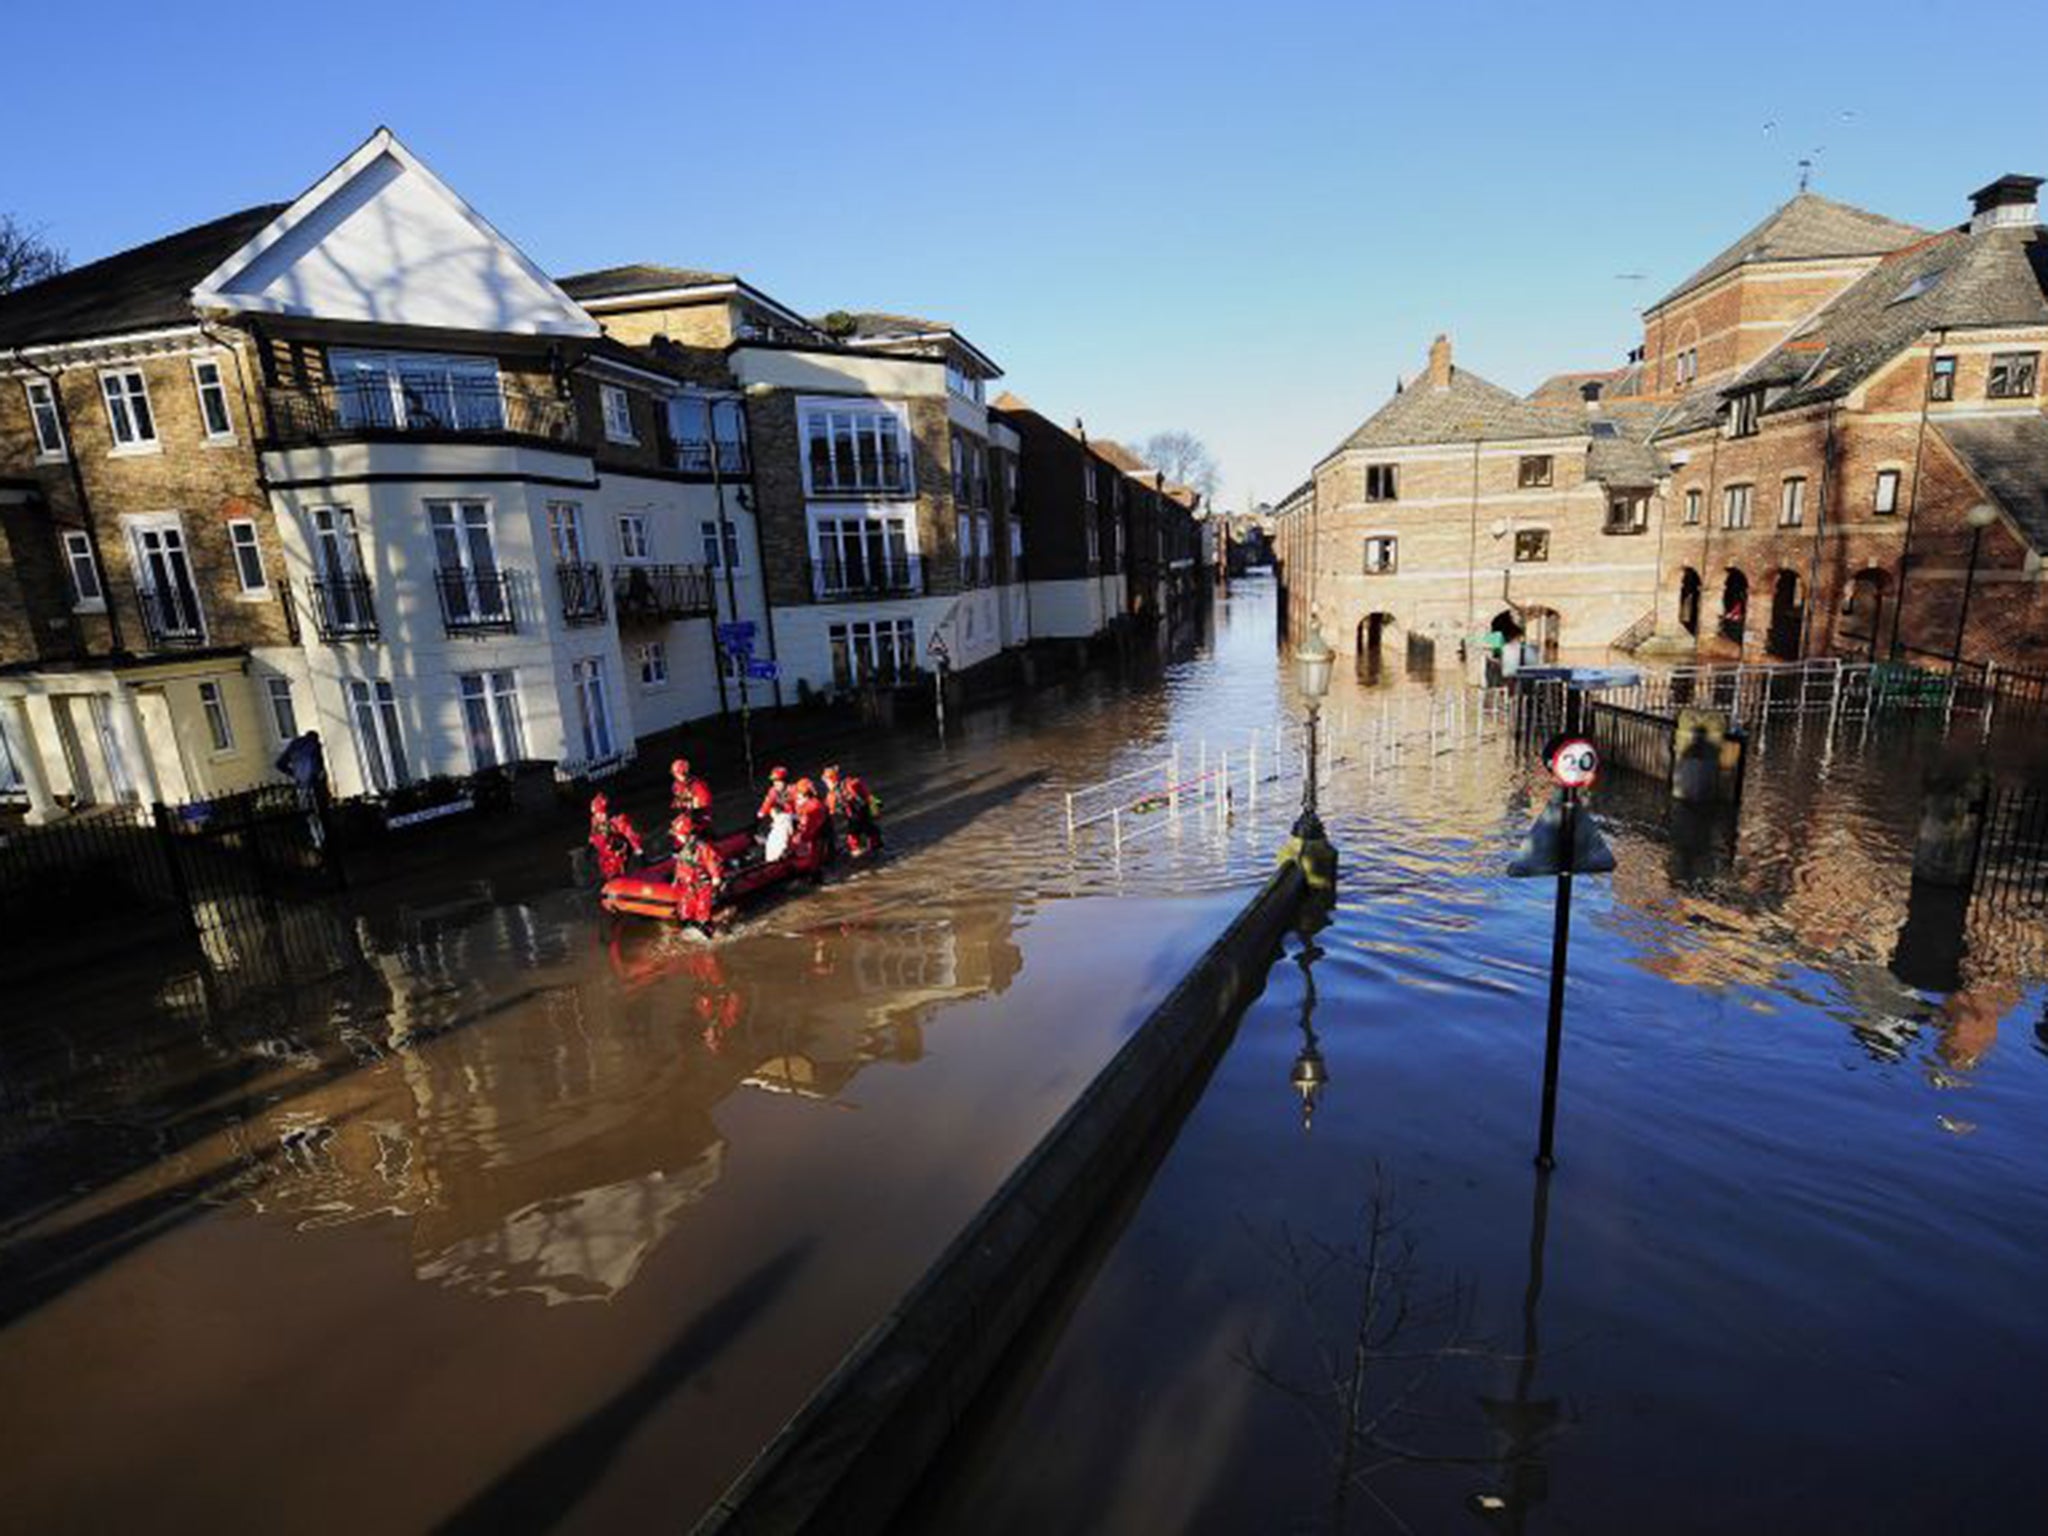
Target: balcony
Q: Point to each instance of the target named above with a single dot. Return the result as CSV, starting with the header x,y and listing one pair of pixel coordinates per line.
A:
x,y
476,602
371,410
855,578
582,585
655,594
170,618
694,457
342,607
863,475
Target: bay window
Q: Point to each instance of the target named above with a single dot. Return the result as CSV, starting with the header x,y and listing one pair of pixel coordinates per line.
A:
x,y
855,449
416,391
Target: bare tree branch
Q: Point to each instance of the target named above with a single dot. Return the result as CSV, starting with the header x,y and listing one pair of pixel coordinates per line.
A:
x,y
1184,459
25,256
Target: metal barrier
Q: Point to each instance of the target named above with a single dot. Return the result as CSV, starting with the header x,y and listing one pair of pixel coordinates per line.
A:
x,y
2012,846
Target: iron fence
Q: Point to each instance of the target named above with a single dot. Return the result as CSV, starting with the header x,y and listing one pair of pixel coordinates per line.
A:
x,y
379,407
342,607
476,602
2012,846
582,586
1632,738
650,594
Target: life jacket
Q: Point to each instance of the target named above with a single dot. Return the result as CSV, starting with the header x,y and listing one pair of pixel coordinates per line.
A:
x,y
777,799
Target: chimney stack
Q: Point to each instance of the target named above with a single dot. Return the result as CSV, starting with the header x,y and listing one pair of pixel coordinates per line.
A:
x,y
2007,203
1440,363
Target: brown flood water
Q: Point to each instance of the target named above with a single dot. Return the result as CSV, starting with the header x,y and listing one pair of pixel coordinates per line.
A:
x,y
528,1221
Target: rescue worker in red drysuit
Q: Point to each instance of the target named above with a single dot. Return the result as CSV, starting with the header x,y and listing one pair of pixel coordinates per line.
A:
x,y
813,840
777,798
697,873
853,811
690,795
614,838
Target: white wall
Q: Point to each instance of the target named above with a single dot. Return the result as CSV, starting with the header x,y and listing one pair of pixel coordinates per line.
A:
x,y
1066,609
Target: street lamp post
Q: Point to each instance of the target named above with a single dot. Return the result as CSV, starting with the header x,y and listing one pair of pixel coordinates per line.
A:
x,y
1315,660
1979,517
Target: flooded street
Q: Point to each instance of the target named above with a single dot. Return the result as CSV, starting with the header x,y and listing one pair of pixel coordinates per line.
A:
x,y
524,1220
529,1220
1787,1275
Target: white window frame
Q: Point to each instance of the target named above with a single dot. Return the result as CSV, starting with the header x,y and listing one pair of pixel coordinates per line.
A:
x,y
1695,501
565,533
720,539
635,530
864,418
139,528
652,657
78,556
219,389
119,399
43,412
893,529
863,641
380,743
1738,507
593,708
284,709
617,408
1792,502
252,547
1881,503
491,718
359,403
1389,551
220,726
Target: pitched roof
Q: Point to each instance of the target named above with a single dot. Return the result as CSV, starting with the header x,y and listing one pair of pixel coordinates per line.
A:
x,y
637,277
133,290
1468,409
1807,228
876,324
1569,388
1116,453
2006,454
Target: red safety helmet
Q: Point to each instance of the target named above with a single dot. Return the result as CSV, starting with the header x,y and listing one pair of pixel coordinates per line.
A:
x,y
832,774
805,788
598,804
680,767
778,774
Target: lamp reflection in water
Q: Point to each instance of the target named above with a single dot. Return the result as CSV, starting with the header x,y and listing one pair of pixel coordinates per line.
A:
x,y
1309,1075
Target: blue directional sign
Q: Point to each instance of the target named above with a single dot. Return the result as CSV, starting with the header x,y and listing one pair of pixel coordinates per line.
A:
x,y
738,636
763,671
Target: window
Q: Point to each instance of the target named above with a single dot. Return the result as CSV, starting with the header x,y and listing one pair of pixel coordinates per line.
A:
x,y
1381,483
855,450
1735,507
473,591
2012,375
1627,512
963,534
128,412
959,468
864,555
248,557
373,712
1536,471
1088,479
633,541
490,718
219,729
1382,551
42,409
163,579
213,400
565,532
417,391
1094,536
1688,366
1532,546
962,383
618,414
1692,507
1744,409
1886,500
593,708
696,423
1941,379
720,537
86,591
880,651
284,714
653,663
1792,502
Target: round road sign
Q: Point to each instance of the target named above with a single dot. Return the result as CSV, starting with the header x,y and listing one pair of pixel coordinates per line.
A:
x,y
1575,762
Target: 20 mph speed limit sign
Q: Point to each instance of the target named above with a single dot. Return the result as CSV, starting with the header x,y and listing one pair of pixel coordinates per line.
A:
x,y
1575,762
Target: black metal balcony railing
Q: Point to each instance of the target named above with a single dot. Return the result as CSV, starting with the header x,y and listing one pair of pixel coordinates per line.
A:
x,y
653,594
862,476
693,457
476,602
582,586
170,617
342,607
856,576
373,408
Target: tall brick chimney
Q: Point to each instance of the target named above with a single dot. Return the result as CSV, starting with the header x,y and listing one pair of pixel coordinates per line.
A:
x,y
1440,363
2008,201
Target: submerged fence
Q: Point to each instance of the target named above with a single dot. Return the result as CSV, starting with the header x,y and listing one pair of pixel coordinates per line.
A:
x,y
2012,846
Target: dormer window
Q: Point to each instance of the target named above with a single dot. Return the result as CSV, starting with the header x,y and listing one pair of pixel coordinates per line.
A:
x,y
2012,375
618,414
1744,411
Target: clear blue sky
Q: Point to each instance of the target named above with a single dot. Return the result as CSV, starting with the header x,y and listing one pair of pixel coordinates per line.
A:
x,y
1240,220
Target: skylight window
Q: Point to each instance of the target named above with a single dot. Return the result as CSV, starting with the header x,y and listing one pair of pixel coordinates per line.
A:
x,y
1915,288
1603,429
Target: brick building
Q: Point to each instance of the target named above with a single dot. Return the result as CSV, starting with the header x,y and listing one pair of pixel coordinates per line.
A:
x,y
1831,433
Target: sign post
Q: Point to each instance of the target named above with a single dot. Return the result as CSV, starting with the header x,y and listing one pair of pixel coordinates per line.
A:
x,y
1563,843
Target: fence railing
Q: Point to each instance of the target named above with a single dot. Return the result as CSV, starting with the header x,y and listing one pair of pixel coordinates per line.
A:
x,y
170,617
425,407
1632,738
651,594
857,577
582,585
2012,846
476,602
342,607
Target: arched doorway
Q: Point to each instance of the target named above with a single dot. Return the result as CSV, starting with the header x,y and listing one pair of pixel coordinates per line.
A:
x,y
1374,631
1689,601
1862,619
1734,605
1788,617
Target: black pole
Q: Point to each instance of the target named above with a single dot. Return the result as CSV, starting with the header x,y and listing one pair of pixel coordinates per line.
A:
x,y
1963,614
1560,938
